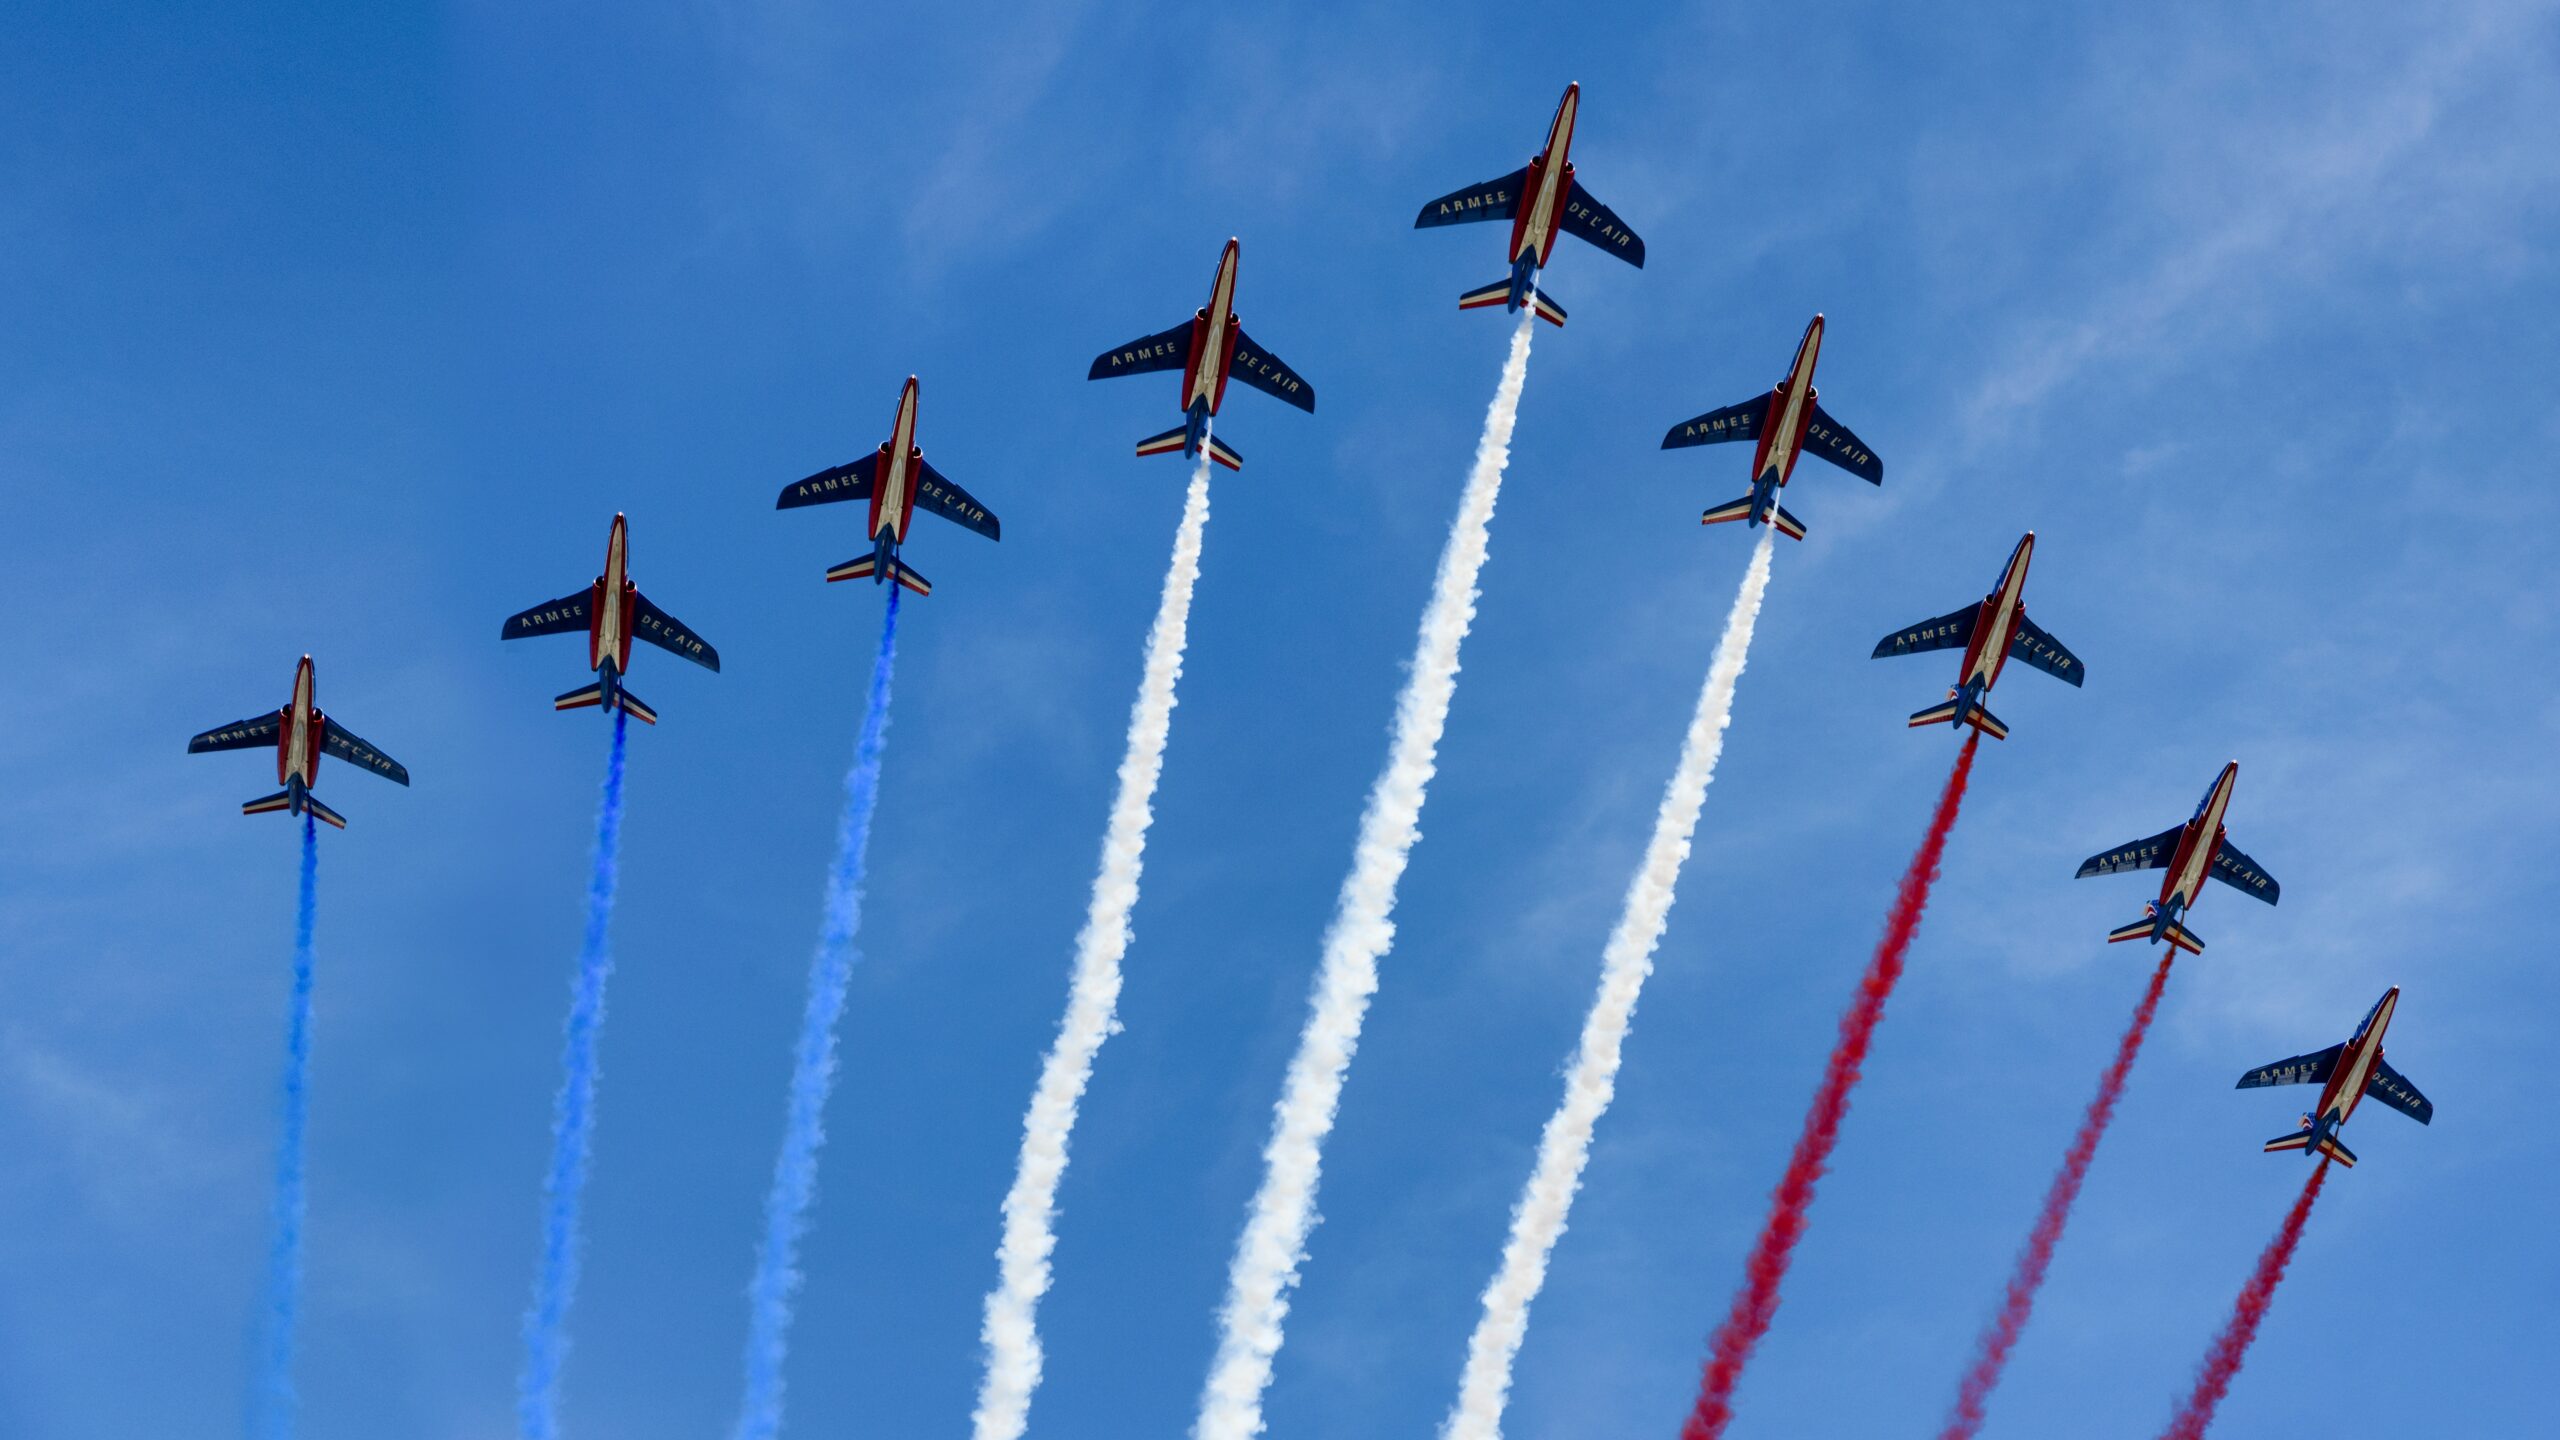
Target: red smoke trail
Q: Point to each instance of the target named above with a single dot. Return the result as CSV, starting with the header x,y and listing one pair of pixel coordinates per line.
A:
x,y
2020,1301
1756,1304
2232,1346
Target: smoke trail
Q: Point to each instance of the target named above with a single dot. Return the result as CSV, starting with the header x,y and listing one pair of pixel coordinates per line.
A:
x,y
573,1123
1592,1082
2222,1362
813,1065
1992,1356
271,1402
1755,1305
1030,1207
1275,1233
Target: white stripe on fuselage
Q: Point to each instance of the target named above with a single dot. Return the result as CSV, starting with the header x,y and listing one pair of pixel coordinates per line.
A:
x,y
608,601
2206,832
897,470
2347,1086
297,759
1996,643
1549,201
1213,340
1791,416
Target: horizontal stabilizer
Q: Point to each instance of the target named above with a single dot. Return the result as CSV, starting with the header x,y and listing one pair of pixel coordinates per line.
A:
x,y
867,568
1788,524
326,815
1728,512
2330,1147
1944,714
266,804
1548,310
1225,454
1497,293
1168,443
2298,1140
2178,936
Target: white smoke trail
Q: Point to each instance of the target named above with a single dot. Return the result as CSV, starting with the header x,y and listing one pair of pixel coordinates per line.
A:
x,y
1592,1081
1012,1338
1275,1233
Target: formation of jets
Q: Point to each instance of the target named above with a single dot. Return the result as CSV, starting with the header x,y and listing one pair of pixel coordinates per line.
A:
x,y
1542,200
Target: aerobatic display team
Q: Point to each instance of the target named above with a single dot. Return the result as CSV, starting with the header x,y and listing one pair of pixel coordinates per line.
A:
x,y
1783,424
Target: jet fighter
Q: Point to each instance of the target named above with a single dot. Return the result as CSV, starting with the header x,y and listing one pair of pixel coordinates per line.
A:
x,y
1990,633
1788,421
1541,200
2189,853
895,478
613,612
300,735
1209,349
2346,1073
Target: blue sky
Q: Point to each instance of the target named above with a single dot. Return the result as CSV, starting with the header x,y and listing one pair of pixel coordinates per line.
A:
x,y
348,333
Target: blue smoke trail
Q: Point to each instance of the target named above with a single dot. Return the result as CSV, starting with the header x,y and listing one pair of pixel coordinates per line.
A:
x,y
573,1124
271,1403
813,1068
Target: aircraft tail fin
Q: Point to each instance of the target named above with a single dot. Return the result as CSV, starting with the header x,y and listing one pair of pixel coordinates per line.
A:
x,y
266,804
1978,715
1788,525
1168,443
868,568
636,707
1548,309
2150,928
586,696
1485,297
580,698
1224,454
1728,512
2328,1146
323,813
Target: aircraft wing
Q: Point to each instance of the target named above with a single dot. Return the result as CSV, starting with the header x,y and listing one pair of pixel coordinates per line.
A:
x,y
671,634
1832,441
844,482
1165,350
1597,223
2311,1069
246,734
2047,654
2393,1089
2149,854
2244,874
1267,373
949,501
1947,632
347,745
1495,199
551,617
1733,422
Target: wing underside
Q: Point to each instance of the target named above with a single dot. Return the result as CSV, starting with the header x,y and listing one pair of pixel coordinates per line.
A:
x,y
1948,632
1585,217
551,617
1832,441
2041,650
844,482
1495,199
1164,350
670,634
1733,422
2243,874
347,745
2393,1089
1269,374
2311,1069
935,492
247,734
2150,854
